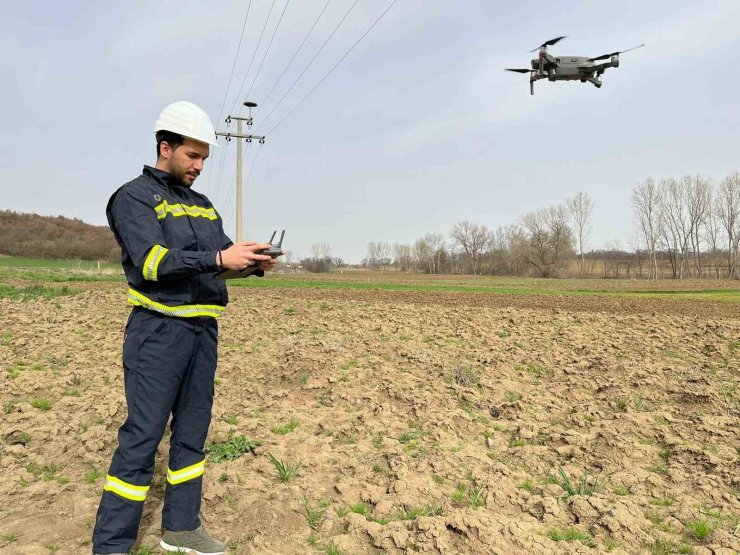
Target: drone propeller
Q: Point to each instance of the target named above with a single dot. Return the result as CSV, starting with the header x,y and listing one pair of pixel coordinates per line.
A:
x,y
605,56
519,70
550,42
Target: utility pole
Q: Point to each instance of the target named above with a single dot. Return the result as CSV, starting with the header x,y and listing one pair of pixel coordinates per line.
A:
x,y
239,136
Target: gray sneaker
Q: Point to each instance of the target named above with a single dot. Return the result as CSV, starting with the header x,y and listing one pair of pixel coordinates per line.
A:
x,y
197,542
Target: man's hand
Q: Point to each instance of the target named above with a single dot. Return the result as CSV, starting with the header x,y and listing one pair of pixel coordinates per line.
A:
x,y
268,265
241,255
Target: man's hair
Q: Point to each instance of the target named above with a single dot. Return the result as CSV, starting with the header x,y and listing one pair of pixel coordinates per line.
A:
x,y
172,139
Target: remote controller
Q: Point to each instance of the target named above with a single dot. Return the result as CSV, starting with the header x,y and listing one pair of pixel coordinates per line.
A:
x,y
275,250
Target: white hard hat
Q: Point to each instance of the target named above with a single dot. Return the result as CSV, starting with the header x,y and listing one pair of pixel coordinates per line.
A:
x,y
188,120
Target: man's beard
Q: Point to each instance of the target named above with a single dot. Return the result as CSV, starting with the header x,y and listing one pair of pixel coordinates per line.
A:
x,y
182,176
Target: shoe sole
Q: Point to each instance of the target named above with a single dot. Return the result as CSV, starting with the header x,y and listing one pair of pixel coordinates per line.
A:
x,y
174,549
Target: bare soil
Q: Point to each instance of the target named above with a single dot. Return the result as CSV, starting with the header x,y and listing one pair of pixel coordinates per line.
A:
x,y
468,408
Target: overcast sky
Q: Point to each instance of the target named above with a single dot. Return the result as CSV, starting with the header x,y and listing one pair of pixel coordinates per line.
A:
x,y
418,128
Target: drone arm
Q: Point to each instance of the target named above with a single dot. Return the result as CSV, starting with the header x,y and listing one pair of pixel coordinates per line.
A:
x,y
600,68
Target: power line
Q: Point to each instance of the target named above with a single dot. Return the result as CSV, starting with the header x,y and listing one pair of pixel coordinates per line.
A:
x,y
236,57
220,173
310,62
332,69
263,102
268,49
231,76
238,95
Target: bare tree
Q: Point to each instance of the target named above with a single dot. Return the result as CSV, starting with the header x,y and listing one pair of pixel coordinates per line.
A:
x,y
473,240
580,207
436,242
402,256
698,193
728,210
429,252
551,241
713,234
378,254
321,251
423,256
646,207
321,260
677,230
508,250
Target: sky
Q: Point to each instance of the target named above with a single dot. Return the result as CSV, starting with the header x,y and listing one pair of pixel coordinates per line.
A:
x,y
419,127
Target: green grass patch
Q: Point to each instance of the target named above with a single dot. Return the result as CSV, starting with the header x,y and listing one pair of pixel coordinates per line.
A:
x,y
512,396
378,441
527,485
509,287
465,375
92,475
585,485
10,537
357,508
663,502
570,535
314,515
286,470
47,472
416,512
410,435
80,265
469,495
232,449
667,547
34,292
698,529
286,429
41,404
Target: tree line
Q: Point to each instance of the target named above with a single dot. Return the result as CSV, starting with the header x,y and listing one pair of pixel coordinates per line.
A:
x,y
55,237
691,222
686,227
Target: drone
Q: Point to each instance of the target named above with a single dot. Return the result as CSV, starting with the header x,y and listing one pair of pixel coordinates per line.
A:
x,y
569,68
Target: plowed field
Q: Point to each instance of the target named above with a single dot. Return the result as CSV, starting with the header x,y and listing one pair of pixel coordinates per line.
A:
x,y
424,422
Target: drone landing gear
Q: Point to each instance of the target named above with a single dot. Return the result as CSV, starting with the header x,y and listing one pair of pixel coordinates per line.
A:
x,y
596,81
531,87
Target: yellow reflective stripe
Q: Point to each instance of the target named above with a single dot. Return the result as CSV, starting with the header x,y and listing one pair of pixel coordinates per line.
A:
x,y
157,260
164,208
161,210
187,473
183,311
152,261
148,262
124,489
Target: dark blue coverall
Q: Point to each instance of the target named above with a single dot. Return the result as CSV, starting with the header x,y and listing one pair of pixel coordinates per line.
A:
x,y
169,237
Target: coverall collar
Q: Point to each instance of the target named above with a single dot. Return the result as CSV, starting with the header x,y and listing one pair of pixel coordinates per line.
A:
x,y
162,177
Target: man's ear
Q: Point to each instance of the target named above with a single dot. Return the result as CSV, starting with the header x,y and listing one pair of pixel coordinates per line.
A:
x,y
165,151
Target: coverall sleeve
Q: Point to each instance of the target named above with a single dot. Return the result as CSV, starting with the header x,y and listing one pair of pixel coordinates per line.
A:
x,y
225,243
137,226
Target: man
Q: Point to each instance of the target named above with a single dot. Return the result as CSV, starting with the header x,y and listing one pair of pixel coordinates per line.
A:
x,y
172,244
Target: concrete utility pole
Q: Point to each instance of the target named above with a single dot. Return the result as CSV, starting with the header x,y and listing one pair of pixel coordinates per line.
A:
x,y
239,188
